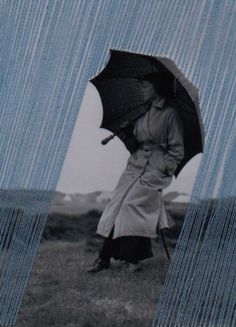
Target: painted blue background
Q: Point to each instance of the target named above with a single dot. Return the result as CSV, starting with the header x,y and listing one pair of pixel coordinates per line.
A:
x,y
49,51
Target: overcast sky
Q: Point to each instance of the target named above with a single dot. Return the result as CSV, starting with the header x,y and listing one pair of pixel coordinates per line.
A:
x,y
90,166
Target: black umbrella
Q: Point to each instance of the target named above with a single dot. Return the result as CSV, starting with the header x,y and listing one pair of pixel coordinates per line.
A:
x,y
118,85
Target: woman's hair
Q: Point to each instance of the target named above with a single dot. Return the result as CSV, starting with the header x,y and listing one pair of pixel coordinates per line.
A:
x,y
163,82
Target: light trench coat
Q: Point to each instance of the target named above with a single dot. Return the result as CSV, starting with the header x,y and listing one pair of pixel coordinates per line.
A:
x,y
136,207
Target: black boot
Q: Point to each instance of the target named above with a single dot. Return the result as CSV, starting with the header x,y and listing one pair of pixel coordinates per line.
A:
x,y
98,265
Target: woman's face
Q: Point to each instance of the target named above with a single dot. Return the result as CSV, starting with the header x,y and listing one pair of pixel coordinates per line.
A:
x,y
147,91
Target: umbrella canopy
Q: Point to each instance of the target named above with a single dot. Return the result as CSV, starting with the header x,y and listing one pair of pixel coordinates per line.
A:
x,y
119,88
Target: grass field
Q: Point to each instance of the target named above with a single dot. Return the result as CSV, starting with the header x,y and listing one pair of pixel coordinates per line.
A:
x,y
60,292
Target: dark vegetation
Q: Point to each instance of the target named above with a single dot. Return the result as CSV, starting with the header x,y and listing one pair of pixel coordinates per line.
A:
x,y
73,228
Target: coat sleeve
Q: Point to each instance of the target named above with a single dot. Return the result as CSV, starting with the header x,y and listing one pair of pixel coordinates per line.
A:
x,y
175,142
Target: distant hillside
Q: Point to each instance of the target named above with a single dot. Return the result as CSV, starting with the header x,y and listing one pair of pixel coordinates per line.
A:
x,y
79,203
35,201
82,203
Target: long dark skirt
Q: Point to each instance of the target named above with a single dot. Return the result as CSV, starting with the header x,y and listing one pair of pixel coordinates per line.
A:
x,y
128,248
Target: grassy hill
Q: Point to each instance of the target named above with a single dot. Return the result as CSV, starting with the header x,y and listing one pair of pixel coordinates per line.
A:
x,y
61,293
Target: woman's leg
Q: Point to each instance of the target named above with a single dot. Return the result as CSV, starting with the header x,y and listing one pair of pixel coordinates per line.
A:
x,y
105,254
106,250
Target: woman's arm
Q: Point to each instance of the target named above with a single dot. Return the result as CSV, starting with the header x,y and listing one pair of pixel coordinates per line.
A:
x,y
175,142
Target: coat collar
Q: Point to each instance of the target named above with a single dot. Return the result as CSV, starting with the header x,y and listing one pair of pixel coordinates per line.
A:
x,y
158,104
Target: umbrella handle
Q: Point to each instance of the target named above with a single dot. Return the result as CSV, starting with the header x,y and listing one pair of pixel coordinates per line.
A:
x,y
124,125
107,139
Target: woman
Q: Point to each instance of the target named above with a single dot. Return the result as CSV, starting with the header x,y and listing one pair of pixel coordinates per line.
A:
x,y
136,209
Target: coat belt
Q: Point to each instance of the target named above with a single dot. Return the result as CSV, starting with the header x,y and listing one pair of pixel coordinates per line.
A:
x,y
152,147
